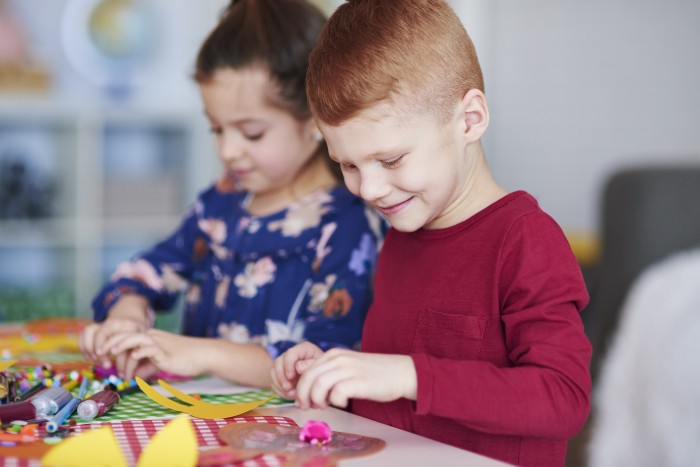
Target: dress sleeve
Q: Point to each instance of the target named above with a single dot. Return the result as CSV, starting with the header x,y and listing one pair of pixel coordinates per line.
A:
x,y
338,292
544,391
158,274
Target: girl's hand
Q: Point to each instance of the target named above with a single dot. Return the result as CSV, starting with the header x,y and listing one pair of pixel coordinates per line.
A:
x,y
290,365
128,315
340,375
166,351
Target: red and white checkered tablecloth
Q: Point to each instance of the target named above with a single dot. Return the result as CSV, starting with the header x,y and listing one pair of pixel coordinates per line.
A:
x,y
134,435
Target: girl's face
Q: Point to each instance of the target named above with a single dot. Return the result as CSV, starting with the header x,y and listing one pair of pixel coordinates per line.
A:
x,y
260,144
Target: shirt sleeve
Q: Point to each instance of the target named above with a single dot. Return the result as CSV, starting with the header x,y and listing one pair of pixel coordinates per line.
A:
x,y
544,391
159,274
339,289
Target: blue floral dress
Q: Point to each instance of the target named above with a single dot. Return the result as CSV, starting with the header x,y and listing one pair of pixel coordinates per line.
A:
x,y
304,273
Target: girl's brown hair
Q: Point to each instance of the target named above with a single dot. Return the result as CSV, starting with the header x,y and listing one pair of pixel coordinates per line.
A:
x,y
277,35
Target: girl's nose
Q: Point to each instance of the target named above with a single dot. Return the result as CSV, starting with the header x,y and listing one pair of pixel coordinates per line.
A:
x,y
230,148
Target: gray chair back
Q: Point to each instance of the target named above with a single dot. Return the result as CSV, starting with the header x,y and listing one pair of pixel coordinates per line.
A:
x,y
648,214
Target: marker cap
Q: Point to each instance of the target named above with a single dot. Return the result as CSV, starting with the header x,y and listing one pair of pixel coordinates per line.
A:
x,y
87,410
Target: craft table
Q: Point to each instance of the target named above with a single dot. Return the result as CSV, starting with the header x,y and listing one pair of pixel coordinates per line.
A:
x,y
402,448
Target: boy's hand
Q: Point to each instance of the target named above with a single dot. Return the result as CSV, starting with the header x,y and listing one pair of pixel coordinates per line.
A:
x,y
340,375
290,365
166,351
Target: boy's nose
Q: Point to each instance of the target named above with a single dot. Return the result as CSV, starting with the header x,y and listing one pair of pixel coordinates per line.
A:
x,y
373,186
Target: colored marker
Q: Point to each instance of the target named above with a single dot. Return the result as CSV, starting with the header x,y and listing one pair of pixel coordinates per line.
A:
x,y
12,388
62,415
4,389
31,391
70,385
83,388
17,411
98,404
52,400
129,390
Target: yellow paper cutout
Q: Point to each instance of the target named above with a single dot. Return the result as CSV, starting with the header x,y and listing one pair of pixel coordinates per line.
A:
x,y
175,445
87,449
5,364
18,344
199,409
186,398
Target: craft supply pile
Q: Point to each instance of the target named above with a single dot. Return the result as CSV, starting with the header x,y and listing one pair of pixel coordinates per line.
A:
x,y
58,410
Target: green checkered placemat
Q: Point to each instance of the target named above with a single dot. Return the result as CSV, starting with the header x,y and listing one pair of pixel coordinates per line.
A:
x,y
60,357
138,406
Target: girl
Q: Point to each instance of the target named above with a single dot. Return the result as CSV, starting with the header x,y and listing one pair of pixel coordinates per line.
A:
x,y
274,253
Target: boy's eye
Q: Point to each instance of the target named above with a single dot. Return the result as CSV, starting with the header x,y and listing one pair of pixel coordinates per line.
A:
x,y
392,162
347,167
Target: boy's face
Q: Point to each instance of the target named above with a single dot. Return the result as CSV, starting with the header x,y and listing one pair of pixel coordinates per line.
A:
x,y
412,168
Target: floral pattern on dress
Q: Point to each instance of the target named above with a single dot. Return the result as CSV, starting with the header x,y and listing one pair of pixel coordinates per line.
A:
x,y
215,228
255,275
301,216
222,292
234,332
364,256
337,304
320,291
277,331
141,271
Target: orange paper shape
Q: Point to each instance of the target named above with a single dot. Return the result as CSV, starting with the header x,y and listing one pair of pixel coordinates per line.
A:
x,y
249,440
197,408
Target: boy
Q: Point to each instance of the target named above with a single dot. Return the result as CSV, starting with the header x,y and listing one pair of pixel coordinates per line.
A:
x,y
474,336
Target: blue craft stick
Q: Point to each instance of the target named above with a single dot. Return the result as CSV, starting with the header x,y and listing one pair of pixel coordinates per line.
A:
x,y
62,415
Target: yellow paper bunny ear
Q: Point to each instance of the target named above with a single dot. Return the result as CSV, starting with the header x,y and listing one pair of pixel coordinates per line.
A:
x,y
197,408
94,447
174,445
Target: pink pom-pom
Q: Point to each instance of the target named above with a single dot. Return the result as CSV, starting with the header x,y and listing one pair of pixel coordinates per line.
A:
x,y
316,432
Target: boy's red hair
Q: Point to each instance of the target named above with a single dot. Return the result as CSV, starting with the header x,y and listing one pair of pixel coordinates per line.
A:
x,y
413,52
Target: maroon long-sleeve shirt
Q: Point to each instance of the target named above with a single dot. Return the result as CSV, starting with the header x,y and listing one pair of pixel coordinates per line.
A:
x,y
489,311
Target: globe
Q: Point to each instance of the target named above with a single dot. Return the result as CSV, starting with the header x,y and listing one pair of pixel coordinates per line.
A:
x,y
118,29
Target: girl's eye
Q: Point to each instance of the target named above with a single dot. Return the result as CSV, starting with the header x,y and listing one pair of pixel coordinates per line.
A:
x,y
347,167
216,130
255,136
392,162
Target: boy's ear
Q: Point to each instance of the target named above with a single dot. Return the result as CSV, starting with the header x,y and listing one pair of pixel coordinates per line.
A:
x,y
474,115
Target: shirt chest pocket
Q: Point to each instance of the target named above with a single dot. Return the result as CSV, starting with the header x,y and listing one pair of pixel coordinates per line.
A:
x,y
446,335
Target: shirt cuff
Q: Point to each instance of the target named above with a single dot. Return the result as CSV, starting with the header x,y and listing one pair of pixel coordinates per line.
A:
x,y
424,376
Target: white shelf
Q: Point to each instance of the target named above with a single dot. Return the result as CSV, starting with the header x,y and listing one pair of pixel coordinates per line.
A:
x,y
123,176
